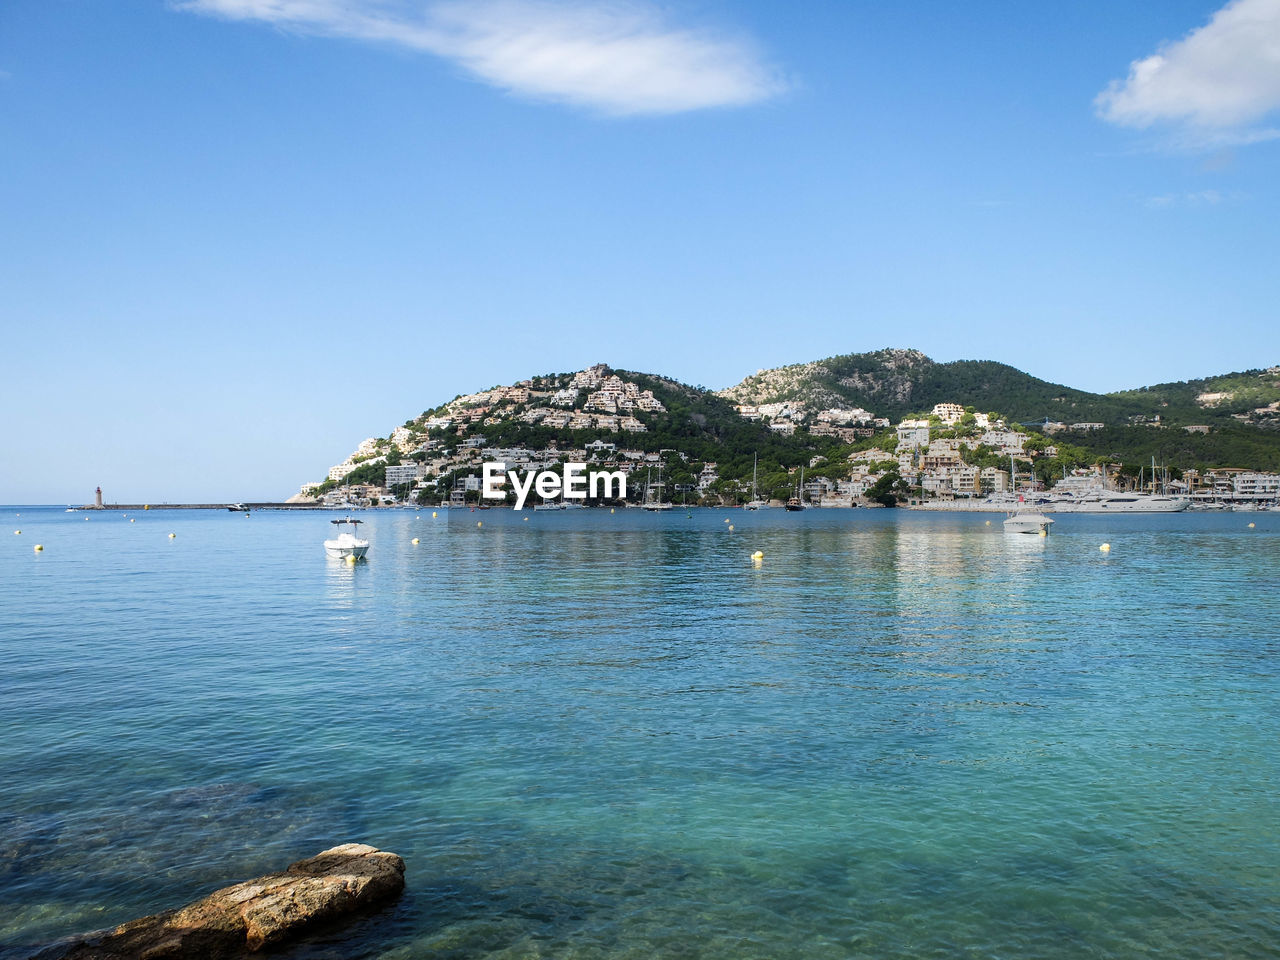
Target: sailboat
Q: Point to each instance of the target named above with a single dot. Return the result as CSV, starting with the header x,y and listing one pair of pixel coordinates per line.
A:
x,y
755,503
651,502
797,502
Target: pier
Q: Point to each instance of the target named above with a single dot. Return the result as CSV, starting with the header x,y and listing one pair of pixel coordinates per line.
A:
x,y
134,507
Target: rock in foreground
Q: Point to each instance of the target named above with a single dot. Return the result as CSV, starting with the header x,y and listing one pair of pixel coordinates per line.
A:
x,y
255,914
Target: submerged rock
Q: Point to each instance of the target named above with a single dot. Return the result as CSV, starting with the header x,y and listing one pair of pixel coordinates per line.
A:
x,y
254,914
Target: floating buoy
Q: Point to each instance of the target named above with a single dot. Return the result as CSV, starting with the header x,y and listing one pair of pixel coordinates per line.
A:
x,y
351,559
131,520
417,518
39,547
526,519
1044,532
433,513
1105,548
1251,526
758,555
146,506
611,509
731,528
17,532
415,540
988,523
726,519
479,523
172,536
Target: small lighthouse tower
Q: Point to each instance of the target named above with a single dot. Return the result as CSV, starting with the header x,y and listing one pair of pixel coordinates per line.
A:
x,y
97,498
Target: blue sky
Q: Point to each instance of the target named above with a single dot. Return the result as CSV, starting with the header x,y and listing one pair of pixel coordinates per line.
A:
x,y
239,236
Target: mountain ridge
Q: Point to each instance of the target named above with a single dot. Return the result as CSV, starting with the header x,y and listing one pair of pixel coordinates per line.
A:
x,y
896,382
822,412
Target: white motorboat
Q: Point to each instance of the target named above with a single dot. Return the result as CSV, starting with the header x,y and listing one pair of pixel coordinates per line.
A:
x,y
346,544
1027,521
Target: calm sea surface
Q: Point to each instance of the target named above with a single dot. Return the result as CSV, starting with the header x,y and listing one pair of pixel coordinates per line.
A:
x,y
596,735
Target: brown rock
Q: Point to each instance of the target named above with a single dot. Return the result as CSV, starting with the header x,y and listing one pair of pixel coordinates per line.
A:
x,y
254,914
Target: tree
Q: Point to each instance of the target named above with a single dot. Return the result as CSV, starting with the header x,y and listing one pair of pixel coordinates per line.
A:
x,y
888,489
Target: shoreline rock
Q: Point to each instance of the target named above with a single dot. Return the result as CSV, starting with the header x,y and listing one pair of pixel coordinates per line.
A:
x,y
248,916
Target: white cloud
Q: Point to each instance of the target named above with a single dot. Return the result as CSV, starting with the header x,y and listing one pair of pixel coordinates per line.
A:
x,y
1199,198
614,57
1216,80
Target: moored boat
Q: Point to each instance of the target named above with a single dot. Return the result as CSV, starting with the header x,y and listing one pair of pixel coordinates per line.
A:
x,y
346,545
1027,521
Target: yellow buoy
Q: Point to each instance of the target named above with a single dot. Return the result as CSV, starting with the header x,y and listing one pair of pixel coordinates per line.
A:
x,y
479,523
1044,532
415,540
146,506
131,520
417,518
351,559
726,519
172,535
18,532
1105,548
611,509
758,555
731,528
1251,526
39,547
526,519
433,513
988,523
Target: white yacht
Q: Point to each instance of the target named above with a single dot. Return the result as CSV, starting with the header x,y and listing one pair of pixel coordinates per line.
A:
x,y
346,544
1027,521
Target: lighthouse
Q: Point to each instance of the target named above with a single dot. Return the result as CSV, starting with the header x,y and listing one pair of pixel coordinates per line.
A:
x,y
97,498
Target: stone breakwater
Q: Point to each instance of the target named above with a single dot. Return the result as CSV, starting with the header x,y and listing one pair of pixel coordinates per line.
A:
x,y
246,917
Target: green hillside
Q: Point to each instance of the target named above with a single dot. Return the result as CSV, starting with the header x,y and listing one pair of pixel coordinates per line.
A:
x,y
1251,396
1240,410
895,383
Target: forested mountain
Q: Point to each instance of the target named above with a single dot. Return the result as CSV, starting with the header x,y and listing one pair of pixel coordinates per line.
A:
x,y
1252,397
895,383
1235,416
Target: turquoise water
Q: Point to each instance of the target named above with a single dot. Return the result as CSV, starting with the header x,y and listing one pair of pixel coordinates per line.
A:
x,y
600,735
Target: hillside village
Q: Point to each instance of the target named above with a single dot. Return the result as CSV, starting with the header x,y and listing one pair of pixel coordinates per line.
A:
x,y
828,456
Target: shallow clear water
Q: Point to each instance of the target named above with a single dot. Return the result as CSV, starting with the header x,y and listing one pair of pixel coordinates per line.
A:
x,y
603,735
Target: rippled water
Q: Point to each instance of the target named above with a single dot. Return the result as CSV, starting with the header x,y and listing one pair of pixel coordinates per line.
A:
x,y
600,735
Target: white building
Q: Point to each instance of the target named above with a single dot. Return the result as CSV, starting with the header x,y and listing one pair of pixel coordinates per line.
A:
x,y
1256,484
1006,441
402,473
913,433
948,413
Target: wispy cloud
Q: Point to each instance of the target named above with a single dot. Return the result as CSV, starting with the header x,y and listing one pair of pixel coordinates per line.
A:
x,y
1212,85
610,56
1198,198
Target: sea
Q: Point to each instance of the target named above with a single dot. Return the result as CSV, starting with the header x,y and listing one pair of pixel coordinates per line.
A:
x,y
615,734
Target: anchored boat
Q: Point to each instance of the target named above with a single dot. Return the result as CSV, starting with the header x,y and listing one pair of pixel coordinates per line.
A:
x,y
1029,521
346,544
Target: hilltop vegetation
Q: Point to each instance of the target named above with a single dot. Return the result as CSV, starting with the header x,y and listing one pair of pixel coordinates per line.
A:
x,y
894,383
1251,396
